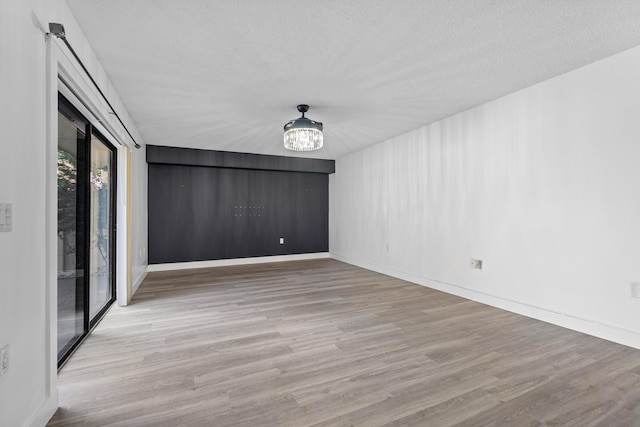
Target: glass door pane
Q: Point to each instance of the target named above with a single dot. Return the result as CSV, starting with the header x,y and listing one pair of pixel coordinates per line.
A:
x,y
86,227
101,227
71,235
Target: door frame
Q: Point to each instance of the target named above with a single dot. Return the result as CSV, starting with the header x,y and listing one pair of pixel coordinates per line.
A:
x,y
91,131
64,76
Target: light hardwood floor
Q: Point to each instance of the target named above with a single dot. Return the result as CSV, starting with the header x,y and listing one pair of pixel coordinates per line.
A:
x,y
329,344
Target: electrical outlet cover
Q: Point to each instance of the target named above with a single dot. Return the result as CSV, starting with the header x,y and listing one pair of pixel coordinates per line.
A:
x,y
476,264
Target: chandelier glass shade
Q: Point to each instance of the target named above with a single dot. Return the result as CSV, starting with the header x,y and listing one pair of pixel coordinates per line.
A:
x,y
303,134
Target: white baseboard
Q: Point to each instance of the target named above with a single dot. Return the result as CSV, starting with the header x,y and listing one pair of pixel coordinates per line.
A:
x,y
44,414
136,283
235,261
592,327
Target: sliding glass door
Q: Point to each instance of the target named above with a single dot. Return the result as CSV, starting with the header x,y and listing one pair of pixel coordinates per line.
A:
x,y
71,235
101,226
86,227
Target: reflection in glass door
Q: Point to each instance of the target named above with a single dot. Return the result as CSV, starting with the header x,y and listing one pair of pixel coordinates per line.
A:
x,y
101,227
86,227
71,236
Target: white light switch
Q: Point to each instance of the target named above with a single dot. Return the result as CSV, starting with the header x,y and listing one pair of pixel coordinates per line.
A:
x,y
6,217
282,240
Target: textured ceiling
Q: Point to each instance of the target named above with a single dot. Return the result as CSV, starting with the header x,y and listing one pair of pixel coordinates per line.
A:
x,y
227,75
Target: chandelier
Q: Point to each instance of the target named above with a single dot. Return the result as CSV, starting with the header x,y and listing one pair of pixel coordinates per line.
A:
x,y
303,134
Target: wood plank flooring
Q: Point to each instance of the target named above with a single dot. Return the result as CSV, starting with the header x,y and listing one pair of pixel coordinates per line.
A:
x,y
323,343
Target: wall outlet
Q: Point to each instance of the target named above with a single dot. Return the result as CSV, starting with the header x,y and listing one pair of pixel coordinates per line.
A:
x,y
476,264
282,240
4,360
635,289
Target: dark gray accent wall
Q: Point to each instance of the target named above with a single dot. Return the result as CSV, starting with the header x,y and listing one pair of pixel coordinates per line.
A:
x,y
201,213
228,159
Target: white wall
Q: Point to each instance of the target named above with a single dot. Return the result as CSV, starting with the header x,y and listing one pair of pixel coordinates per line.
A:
x,y
27,178
543,185
139,215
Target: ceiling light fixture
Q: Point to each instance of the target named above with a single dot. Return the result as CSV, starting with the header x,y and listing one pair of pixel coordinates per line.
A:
x,y
303,134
